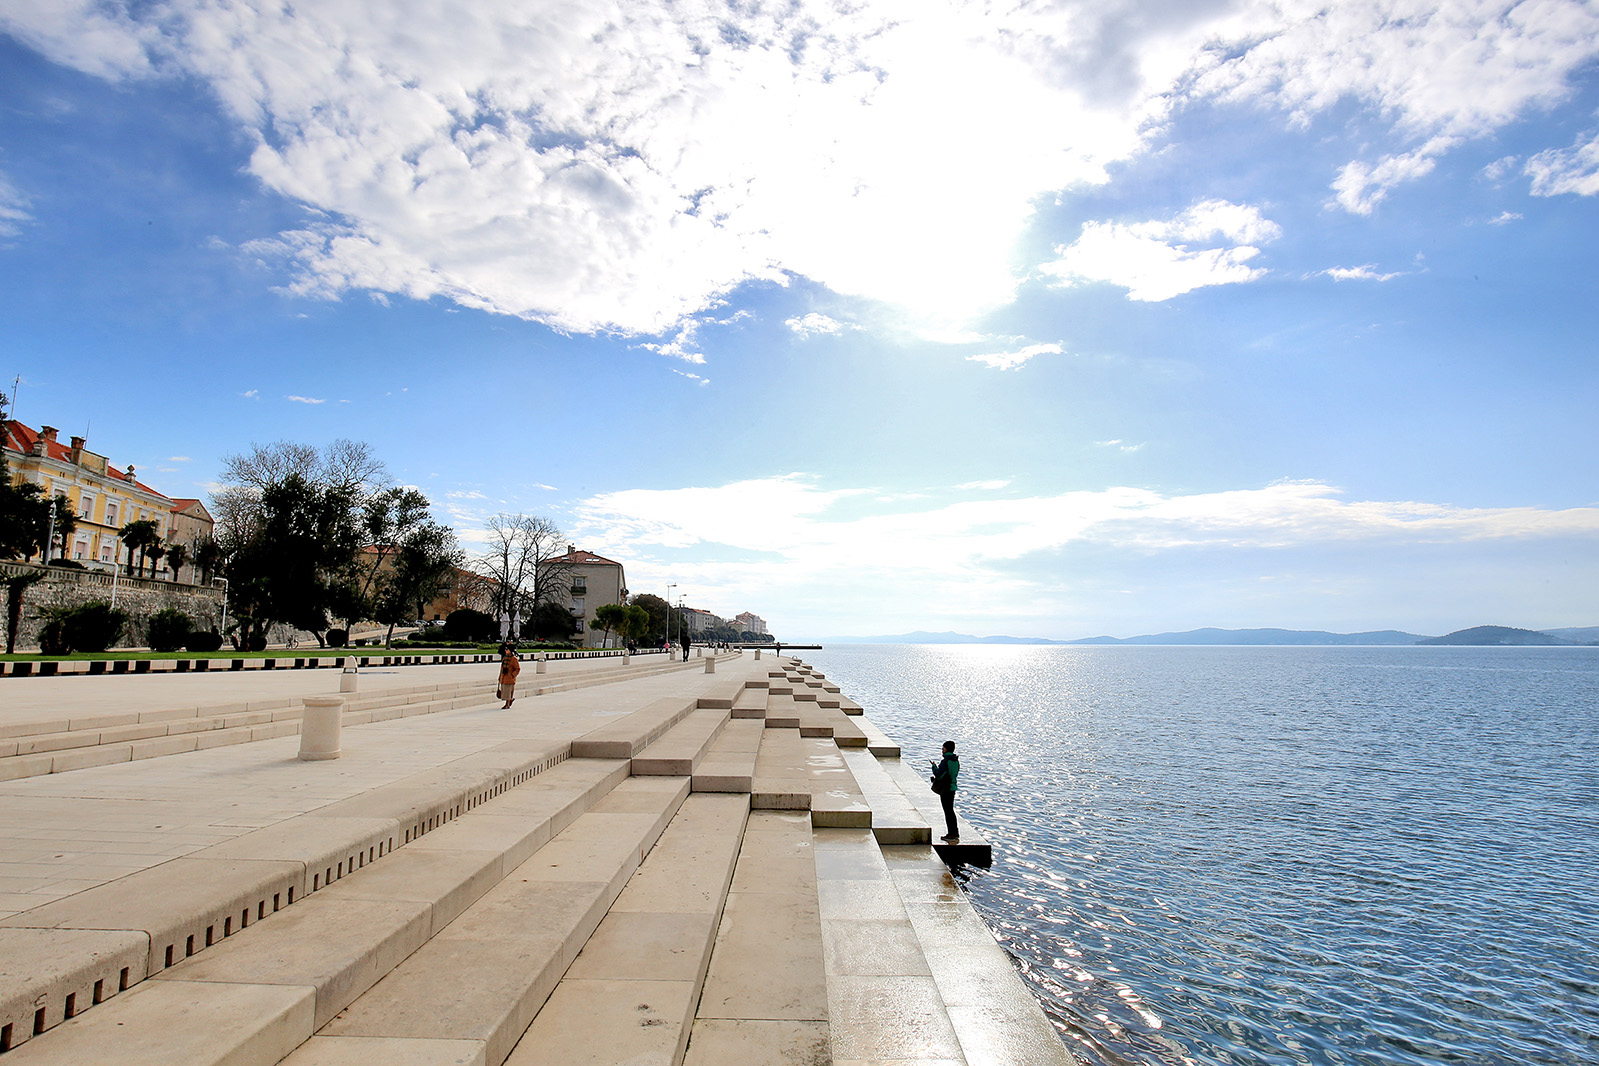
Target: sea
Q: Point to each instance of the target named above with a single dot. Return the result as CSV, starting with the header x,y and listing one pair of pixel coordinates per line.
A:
x,y
1274,855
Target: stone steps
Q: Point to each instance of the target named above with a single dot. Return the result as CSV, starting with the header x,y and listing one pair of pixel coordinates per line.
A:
x,y
730,764
836,799
630,996
484,977
40,748
61,958
678,751
765,1001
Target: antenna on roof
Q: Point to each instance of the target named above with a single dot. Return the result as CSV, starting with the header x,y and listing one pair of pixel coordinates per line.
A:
x,y
16,383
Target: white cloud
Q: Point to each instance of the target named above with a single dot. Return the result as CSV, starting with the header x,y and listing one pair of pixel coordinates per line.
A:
x,y
625,163
1362,186
1120,445
1566,170
178,459
304,399
1365,272
990,485
814,323
251,395
1011,360
1504,218
1153,260
13,209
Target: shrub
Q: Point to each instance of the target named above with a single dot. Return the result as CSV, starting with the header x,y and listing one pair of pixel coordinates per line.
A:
x,y
338,638
169,629
203,640
469,625
53,638
93,627
67,564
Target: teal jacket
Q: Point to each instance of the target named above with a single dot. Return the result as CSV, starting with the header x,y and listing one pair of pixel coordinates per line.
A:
x,y
947,773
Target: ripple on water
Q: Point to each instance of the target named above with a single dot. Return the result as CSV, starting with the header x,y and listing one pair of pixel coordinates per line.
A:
x,y
1277,855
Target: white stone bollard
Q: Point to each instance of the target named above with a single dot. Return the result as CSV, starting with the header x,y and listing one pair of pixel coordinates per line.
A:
x,y
710,664
321,727
757,655
538,667
626,658
348,679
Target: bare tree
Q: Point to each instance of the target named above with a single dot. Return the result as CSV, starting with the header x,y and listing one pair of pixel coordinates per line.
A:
x,y
523,557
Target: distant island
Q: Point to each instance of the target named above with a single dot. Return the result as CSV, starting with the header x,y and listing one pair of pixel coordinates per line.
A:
x,y
1480,636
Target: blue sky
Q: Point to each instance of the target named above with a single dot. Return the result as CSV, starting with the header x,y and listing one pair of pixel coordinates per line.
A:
x,y
1039,318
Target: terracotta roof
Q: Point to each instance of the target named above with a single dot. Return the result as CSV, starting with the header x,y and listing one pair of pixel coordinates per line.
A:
x,y
21,438
578,557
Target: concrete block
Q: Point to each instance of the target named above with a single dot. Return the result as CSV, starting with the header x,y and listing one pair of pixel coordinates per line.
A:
x,y
645,946
767,962
133,732
49,975
174,1023
512,837
104,721
387,1051
182,906
23,729
677,751
43,742
172,715
218,738
340,947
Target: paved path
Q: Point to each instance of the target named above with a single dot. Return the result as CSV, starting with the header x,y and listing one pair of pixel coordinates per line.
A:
x,y
64,833
45,699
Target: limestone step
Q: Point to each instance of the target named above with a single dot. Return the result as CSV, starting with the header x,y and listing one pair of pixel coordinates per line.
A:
x,y
631,993
973,848
484,976
730,764
849,706
625,737
781,711
877,742
765,1000
751,702
995,1017
836,798
680,749
780,781
895,820
187,905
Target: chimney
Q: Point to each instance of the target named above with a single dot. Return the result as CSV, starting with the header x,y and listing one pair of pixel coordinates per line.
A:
x,y
41,443
48,433
130,471
570,548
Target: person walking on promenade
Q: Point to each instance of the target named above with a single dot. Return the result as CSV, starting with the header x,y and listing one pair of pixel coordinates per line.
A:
x,y
685,645
945,774
510,667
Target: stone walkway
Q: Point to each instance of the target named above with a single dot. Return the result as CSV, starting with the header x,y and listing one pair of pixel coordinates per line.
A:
x,y
647,870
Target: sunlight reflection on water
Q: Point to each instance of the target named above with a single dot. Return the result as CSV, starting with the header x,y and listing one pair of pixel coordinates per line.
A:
x,y
1277,855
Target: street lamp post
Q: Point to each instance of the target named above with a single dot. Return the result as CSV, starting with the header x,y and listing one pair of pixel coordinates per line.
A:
x,y
224,605
669,587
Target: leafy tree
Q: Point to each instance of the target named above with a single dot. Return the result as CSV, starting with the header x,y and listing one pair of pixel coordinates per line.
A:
x,y
657,610
156,553
609,617
637,622
390,518
552,621
426,559
169,629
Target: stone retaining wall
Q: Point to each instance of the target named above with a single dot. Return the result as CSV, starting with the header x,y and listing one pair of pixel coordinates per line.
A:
x,y
139,597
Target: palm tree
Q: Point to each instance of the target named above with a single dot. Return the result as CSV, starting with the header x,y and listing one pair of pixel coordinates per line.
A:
x,y
155,552
177,555
139,536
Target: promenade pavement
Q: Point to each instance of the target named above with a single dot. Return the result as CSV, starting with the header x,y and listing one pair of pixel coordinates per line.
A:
x,y
63,833
607,891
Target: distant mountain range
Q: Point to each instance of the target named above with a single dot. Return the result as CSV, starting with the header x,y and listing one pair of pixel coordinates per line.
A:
x,y
1477,635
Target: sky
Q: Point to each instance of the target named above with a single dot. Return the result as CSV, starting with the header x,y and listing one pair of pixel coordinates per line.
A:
x,y
1028,317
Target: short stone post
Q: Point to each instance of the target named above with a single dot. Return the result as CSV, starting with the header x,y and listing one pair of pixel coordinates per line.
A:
x,y
757,655
538,667
710,664
321,727
348,678
626,658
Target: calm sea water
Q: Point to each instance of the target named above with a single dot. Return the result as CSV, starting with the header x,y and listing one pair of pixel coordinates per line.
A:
x,y
1277,855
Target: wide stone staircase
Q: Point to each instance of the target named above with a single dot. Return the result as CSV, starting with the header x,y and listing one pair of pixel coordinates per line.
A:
x,y
734,878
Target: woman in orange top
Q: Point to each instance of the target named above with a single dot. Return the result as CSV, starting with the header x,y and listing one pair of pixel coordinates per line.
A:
x,y
510,666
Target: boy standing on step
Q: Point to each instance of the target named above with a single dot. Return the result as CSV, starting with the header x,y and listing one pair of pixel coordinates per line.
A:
x,y
945,774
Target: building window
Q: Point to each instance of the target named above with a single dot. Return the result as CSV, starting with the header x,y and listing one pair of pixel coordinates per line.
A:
x,y
80,548
86,506
110,513
105,553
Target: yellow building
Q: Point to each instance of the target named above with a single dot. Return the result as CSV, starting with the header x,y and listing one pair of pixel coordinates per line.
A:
x,y
103,497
